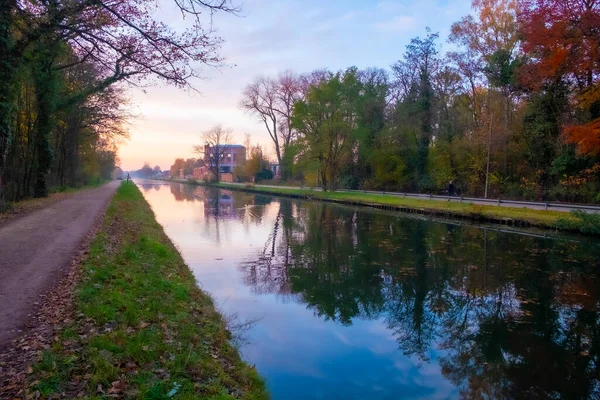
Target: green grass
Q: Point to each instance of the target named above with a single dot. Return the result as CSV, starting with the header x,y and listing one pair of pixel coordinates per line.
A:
x,y
581,221
144,329
69,189
575,222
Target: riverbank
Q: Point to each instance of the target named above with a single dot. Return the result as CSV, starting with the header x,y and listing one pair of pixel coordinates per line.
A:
x,y
517,217
141,328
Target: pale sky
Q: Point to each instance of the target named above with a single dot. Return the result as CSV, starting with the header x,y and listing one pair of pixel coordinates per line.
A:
x,y
269,37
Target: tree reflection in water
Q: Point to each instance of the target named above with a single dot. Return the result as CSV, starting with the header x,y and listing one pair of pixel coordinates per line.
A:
x,y
517,316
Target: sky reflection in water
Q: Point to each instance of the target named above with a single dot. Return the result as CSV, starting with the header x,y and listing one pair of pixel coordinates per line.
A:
x,y
361,304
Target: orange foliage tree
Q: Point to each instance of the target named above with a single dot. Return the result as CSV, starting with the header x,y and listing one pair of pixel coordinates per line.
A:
x,y
563,40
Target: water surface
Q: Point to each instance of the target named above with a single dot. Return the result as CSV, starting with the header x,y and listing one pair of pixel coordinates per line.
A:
x,y
354,303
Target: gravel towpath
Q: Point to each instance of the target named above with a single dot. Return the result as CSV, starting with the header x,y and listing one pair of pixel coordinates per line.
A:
x,y
36,249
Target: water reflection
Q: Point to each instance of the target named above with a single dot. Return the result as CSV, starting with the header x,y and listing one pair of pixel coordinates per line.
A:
x,y
498,315
517,316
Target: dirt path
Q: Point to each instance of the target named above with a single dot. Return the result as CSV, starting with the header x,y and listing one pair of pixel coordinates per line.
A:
x,y
36,249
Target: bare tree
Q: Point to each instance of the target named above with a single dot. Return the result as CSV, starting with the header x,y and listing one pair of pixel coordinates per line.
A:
x,y
121,38
261,99
272,101
212,151
289,90
248,143
306,81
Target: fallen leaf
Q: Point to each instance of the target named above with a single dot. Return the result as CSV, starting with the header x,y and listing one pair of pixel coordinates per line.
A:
x,y
116,387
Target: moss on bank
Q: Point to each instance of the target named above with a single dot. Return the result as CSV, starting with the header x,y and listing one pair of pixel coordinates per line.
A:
x,y
143,328
574,221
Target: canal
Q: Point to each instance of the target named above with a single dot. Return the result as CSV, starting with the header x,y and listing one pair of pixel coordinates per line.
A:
x,y
333,302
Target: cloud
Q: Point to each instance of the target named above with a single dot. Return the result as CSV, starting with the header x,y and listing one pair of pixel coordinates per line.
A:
x,y
401,23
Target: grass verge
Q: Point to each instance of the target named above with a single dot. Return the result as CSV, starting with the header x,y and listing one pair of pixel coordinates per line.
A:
x,y
143,329
71,189
574,221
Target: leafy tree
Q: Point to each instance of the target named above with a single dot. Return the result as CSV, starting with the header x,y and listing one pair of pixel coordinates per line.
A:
x,y
146,171
541,129
371,121
563,39
327,121
416,104
176,167
487,59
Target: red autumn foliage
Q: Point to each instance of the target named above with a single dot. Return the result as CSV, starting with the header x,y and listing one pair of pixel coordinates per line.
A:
x,y
586,136
563,41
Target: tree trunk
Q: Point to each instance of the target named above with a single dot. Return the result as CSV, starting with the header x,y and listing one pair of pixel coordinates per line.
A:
x,y
45,93
324,178
7,78
487,165
44,152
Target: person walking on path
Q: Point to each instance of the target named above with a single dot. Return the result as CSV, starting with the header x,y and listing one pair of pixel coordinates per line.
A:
x,y
451,191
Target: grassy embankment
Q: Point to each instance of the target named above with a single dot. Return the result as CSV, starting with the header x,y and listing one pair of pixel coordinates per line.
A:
x,y
143,328
575,221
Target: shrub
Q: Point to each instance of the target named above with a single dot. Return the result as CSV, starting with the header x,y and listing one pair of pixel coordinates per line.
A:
x,y
583,222
265,174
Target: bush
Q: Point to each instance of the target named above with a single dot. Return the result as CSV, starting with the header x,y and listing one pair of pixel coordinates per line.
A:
x,y
263,175
192,181
584,223
427,185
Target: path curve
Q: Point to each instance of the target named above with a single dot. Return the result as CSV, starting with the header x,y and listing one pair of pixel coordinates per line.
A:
x,y
36,249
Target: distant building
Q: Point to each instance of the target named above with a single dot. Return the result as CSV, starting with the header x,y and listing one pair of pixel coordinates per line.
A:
x,y
233,155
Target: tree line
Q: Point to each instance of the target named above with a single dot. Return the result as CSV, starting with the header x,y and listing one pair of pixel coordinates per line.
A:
x,y
512,110
63,70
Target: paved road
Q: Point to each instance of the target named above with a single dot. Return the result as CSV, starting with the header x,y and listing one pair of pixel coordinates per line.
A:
x,y
504,203
36,249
